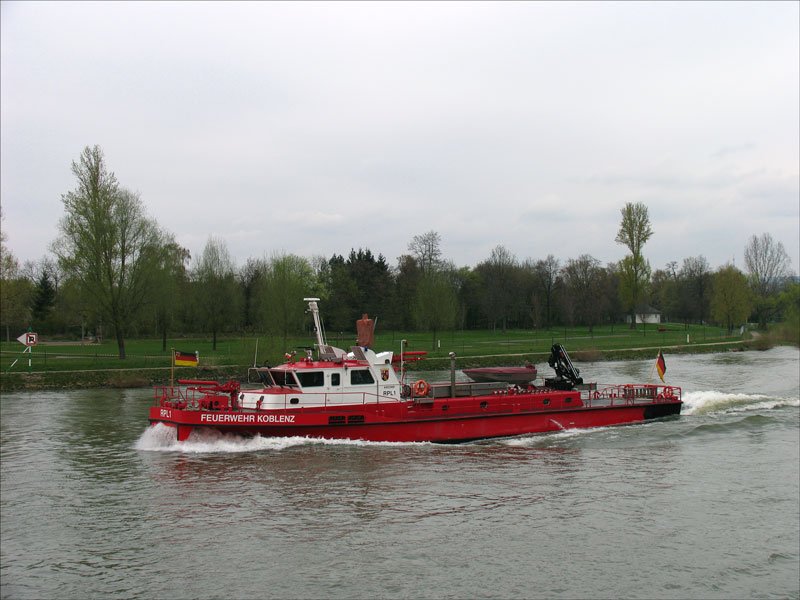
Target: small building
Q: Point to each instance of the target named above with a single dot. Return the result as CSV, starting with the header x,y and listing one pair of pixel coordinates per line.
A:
x,y
646,314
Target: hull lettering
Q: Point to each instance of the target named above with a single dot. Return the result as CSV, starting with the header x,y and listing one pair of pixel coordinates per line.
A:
x,y
245,418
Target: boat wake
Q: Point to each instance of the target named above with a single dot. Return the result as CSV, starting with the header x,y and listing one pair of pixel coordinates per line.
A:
x,y
695,403
545,440
710,402
161,438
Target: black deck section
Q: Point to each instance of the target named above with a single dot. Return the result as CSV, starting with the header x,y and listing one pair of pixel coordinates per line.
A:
x,y
657,411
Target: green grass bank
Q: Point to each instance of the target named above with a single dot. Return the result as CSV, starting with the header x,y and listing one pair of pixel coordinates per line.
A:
x,y
72,365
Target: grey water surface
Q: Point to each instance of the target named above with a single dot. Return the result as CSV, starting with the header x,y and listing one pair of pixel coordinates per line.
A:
x,y
94,504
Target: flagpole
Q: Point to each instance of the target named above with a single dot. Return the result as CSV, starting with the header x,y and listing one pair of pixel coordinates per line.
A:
x,y
172,369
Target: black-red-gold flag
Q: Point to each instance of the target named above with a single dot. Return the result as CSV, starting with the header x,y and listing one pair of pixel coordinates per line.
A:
x,y
661,365
185,359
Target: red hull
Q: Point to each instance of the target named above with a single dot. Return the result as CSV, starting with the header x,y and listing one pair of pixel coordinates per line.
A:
x,y
446,420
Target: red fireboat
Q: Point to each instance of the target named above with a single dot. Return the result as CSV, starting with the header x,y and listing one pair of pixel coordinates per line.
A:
x,y
364,395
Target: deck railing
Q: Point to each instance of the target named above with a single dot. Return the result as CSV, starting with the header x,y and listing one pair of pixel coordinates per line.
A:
x,y
512,398
630,395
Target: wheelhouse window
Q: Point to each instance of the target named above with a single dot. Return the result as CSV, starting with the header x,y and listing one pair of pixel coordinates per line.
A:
x,y
335,379
361,377
265,377
311,378
284,378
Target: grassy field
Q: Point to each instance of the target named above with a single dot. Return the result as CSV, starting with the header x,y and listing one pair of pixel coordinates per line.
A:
x,y
70,365
473,347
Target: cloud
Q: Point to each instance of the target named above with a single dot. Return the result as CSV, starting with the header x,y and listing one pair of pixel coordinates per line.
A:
x,y
320,127
312,219
737,149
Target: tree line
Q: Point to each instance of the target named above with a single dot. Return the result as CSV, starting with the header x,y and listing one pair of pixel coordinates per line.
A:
x,y
114,272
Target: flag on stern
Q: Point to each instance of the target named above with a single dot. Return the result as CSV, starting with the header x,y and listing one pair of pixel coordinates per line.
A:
x,y
661,365
186,359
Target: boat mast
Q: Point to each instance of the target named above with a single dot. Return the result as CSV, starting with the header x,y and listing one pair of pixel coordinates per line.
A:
x,y
314,310
402,363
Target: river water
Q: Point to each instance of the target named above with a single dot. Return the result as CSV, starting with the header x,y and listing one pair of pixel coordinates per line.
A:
x,y
705,505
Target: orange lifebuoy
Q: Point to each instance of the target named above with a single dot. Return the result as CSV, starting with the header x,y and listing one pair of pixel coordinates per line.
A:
x,y
421,387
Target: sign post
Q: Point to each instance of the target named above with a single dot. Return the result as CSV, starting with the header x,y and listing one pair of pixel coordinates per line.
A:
x,y
29,339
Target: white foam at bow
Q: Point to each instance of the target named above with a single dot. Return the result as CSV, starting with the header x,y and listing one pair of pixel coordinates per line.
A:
x,y
161,438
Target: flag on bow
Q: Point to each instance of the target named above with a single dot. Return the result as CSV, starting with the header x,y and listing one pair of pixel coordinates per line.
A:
x,y
661,365
185,359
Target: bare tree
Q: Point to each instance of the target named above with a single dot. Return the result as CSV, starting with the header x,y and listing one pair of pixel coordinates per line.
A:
x,y
583,278
498,274
250,278
664,290
768,267
426,248
547,273
695,277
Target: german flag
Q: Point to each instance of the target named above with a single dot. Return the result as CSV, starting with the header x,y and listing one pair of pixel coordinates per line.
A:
x,y
185,359
661,365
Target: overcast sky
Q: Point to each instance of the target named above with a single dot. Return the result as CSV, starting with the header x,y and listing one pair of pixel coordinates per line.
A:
x,y
314,128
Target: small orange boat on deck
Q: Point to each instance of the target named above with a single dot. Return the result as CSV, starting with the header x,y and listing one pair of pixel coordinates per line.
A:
x,y
364,395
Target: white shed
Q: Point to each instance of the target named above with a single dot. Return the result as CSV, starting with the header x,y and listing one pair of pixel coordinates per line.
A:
x,y
646,314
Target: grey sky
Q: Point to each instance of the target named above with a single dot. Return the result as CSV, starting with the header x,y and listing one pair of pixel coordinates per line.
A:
x,y
314,128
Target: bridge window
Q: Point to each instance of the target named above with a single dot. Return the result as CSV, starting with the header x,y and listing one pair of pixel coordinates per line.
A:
x,y
284,378
361,377
335,379
311,378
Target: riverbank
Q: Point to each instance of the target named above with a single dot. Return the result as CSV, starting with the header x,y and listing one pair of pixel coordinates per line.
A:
x,y
133,378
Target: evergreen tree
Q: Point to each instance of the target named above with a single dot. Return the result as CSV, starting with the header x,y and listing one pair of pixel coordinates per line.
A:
x,y
44,297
